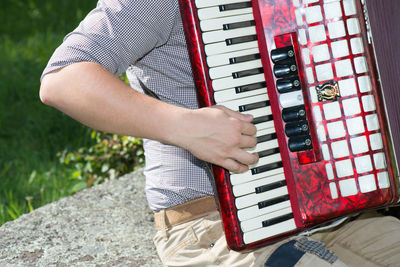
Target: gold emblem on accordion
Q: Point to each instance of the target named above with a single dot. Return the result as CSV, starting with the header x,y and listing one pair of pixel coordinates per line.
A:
x,y
328,91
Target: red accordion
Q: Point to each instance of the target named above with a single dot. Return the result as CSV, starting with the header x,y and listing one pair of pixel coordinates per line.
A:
x,y
308,73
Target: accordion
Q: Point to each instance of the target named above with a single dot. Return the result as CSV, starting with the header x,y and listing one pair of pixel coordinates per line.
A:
x,y
319,78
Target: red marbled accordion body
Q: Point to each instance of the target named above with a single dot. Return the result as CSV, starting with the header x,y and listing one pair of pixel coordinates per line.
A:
x,y
319,191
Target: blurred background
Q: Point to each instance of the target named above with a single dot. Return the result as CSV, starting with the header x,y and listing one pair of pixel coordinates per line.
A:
x,y
44,154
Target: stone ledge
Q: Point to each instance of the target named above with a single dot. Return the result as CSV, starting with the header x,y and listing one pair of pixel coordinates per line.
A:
x,y
106,225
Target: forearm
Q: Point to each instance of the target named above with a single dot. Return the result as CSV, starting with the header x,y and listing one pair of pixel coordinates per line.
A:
x,y
90,94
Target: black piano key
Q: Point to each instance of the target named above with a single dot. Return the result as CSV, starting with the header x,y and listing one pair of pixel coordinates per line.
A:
x,y
266,137
234,6
262,119
296,113
267,167
296,128
235,60
273,201
254,106
268,187
250,87
288,85
238,25
282,53
245,73
277,220
268,152
300,143
285,69
241,39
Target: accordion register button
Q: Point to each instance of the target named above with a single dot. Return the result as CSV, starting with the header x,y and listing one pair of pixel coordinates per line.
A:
x,y
300,143
282,53
285,69
291,99
296,128
294,113
288,84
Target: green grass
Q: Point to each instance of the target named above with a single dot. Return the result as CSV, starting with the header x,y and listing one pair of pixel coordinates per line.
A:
x,y
31,133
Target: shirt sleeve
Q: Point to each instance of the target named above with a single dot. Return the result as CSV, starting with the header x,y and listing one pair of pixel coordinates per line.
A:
x,y
116,34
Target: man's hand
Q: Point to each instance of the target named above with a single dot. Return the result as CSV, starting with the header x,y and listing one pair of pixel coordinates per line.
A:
x,y
220,135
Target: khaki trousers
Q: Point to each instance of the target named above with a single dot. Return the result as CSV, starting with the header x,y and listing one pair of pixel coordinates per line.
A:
x,y
369,240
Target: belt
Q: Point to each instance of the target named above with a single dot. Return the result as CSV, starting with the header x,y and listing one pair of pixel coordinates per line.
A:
x,y
185,212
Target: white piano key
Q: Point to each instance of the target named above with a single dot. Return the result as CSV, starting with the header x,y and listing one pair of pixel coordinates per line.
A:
x,y
234,104
291,99
221,36
228,82
222,47
227,70
256,113
208,3
218,23
256,223
255,211
265,125
270,231
267,160
267,145
253,199
249,188
240,178
265,132
223,59
214,12
230,94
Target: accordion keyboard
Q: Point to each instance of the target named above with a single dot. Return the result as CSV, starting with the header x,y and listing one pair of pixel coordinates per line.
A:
x,y
233,58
